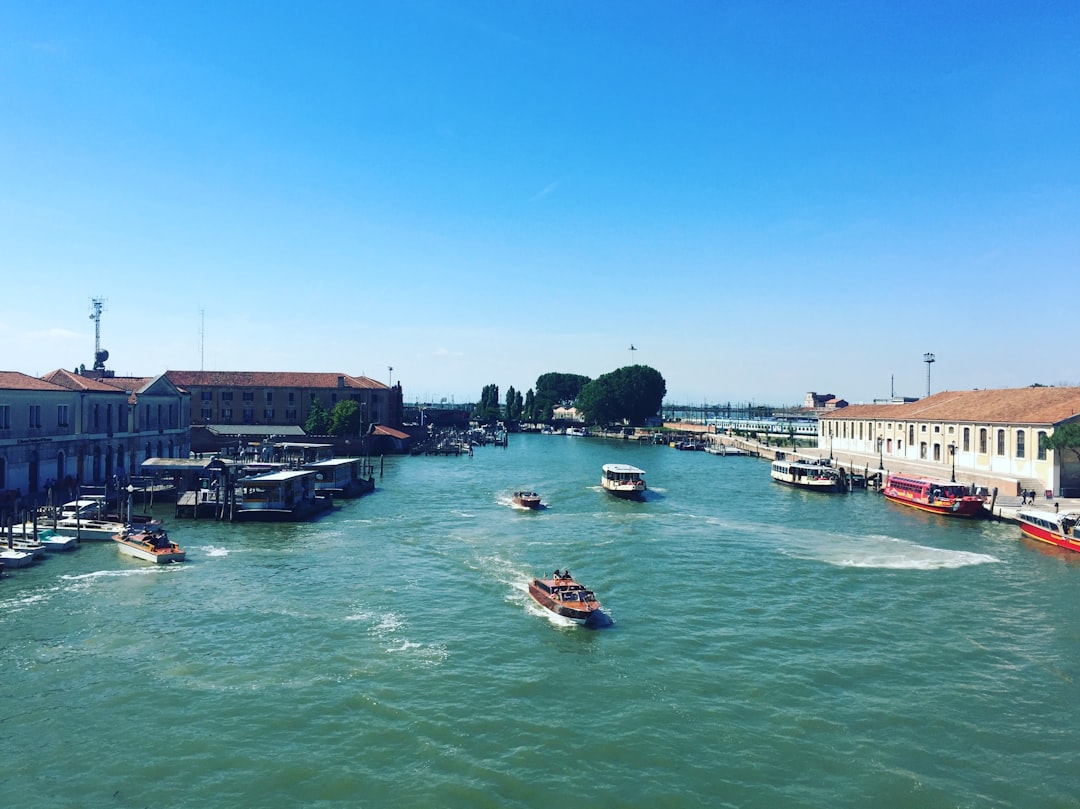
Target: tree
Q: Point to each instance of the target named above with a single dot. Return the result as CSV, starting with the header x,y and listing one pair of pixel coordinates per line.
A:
x,y
631,394
514,406
557,389
318,420
346,419
528,410
1065,437
488,410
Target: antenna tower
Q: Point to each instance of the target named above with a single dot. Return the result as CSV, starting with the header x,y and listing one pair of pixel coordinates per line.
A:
x,y
202,338
100,355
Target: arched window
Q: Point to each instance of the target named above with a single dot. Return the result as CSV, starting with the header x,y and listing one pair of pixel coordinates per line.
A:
x,y
1020,448
1041,455
982,440
967,439
1000,442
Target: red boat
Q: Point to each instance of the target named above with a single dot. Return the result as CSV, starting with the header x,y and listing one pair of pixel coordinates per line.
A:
x,y
1050,527
563,596
935,496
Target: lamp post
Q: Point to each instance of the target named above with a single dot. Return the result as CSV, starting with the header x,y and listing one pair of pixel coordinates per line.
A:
x,y
880,458
952,455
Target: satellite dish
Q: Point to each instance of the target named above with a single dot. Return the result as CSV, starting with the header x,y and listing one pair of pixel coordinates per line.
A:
x,y
101,355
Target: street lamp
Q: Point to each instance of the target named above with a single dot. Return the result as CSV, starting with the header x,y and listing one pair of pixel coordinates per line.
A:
x,y
880,459
952,455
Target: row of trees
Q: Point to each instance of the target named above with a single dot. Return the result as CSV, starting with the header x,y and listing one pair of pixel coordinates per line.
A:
x,y
627,395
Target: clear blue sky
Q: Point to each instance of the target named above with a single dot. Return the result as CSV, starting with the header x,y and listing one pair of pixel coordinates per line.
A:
x,y
764,198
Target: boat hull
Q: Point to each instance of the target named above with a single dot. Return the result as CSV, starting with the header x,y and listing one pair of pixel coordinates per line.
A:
x,y
526,500
546,594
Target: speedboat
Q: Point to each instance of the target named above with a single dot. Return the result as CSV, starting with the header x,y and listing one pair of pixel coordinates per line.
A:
x,y
48,538
563,596
623,480
526,499
11,558
152,546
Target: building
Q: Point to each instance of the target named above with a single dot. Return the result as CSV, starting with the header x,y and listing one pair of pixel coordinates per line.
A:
x,y
991,437
225,400
66,429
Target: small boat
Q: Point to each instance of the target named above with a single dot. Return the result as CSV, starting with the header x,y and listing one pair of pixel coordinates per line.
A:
x,y
154,546
623,480
98,530
48,538
580,432
933,495
563,596
724,449
1051,527
25,544
11,558
95,507
526,499
819,475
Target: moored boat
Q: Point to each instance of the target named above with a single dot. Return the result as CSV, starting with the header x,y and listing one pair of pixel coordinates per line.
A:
x,y
933,495
1051,527
11,558
153,546
818,476
623,480
526,499
563,596
724,449
97,530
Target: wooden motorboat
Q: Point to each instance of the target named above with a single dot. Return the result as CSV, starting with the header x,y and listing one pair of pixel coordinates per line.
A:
x,y
154,546
526,499
563,596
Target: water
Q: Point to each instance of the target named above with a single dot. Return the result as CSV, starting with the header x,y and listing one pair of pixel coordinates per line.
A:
x,y
770,648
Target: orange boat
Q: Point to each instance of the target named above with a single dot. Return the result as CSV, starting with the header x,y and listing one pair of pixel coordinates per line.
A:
x,y
563,596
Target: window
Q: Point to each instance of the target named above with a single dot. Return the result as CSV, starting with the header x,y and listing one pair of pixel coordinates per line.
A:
x,y
269,397
226,415
226,396
268,414
982,440
292,398
1000,442
35,417
1020,449
290,415
249,396
922,450
1041,454
62,415
206,414
208,396
911,434
967,439
249,415
5,417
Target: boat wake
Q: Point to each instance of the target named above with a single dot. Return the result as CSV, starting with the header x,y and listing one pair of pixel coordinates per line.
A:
x,y
211,550
885,552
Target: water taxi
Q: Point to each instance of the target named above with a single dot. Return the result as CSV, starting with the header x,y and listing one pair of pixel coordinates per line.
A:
x,y
819,475
563,596
623,480
1051,527
935,496
153,546
526,499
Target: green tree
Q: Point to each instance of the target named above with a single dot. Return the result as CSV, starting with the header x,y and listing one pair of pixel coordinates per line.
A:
x,y
1065,437
488,410
528,410
346,419
318,420
631,394
514,406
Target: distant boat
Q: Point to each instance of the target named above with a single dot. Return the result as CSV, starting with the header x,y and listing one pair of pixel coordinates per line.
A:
x,y
153,547
1050,527
563,596
279,496
623,480
724,449
526,499
582,432
933,495
819,476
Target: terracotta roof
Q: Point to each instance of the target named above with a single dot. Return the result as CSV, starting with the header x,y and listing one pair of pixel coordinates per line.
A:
x,y
269,379
1003,406
13,380
108,384
390,431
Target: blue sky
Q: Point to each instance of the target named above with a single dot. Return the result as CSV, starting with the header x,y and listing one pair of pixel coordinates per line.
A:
x,y
764,198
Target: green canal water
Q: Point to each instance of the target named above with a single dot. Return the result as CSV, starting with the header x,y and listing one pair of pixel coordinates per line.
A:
x,y
769,648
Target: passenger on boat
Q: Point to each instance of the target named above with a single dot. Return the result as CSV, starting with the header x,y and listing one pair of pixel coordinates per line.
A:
x,y
557,575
